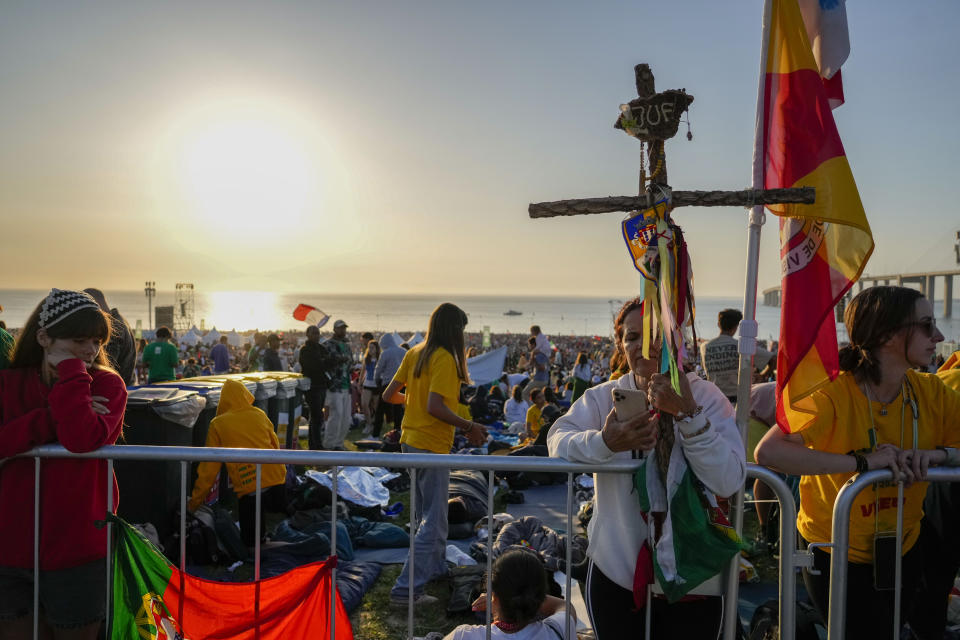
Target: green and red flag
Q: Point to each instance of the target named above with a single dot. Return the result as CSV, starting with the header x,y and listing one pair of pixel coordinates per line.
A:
x,y
153,600
824,246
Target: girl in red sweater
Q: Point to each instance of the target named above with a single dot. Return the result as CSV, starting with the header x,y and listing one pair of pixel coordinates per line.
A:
x,y
59,389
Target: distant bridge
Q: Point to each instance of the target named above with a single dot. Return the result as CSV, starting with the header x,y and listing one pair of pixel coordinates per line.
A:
x,y
926,281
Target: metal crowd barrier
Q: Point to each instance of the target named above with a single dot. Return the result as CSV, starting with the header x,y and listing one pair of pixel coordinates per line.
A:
x,y
840,536
413,462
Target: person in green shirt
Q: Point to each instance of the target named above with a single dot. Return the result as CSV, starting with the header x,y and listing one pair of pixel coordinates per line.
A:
x,y
162,357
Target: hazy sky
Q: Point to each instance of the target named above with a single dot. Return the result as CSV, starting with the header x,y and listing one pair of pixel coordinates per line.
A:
x,y
394,146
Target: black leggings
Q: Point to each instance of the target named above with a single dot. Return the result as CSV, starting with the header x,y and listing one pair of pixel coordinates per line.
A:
x,y
613,614
869,612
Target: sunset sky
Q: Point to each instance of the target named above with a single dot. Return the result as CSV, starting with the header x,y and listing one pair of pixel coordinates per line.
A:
x,y
366,147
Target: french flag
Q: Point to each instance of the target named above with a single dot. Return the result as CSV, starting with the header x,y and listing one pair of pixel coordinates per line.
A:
x,y
311,315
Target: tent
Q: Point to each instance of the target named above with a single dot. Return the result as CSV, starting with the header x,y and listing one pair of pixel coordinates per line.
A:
x,y
487,367
234,339
189,338
212,337
398,339
415,339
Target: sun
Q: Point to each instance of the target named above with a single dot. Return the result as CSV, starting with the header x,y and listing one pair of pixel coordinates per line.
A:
x,y
238,165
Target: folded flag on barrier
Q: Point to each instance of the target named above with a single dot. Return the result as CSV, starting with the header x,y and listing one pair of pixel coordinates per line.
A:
x,y
311,315
153,600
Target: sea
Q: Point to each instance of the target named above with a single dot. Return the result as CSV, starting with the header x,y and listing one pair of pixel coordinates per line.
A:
x,y
267,310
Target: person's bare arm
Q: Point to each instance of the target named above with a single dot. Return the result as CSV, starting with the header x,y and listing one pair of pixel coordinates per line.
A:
x,y
787,452
392,389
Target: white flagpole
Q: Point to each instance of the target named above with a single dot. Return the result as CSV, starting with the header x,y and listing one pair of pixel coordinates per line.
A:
x,y
748,330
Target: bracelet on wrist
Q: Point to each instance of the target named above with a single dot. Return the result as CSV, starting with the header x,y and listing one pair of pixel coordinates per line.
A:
x,y
862,464
684,416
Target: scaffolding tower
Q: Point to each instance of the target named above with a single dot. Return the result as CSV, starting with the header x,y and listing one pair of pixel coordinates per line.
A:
x,y
183,309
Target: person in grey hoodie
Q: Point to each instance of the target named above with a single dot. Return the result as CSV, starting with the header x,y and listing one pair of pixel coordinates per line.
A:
x,y
391,355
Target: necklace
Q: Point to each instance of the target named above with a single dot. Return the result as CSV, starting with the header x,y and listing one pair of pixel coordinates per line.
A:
x,y
883,405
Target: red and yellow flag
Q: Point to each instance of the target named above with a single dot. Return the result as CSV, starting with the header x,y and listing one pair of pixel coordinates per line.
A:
x,y
824,246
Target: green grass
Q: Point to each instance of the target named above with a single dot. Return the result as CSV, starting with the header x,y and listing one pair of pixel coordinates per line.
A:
x,y
378,619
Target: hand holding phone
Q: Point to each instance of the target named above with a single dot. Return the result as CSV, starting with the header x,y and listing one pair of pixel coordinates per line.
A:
x,y
629,426
629,403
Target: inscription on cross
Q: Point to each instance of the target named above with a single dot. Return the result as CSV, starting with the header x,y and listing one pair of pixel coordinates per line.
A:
x,y
653,118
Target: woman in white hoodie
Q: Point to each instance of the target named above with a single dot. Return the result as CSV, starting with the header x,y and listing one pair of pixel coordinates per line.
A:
x,y
701,435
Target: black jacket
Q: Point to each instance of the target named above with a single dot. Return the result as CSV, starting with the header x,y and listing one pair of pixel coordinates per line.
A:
x,y
316,364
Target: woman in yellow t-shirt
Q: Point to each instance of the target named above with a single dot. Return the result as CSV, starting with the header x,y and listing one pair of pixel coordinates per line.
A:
x,y
432,372
878,413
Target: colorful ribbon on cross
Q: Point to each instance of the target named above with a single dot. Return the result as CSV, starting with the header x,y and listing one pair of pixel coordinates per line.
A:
x,y
659,252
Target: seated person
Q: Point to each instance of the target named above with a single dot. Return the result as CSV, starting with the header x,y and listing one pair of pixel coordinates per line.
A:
x,y
191,369
478,405
515,409
495,401
239,424
534,417
520,605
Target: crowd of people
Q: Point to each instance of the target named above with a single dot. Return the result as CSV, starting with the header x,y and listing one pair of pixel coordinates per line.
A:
x,y
570,397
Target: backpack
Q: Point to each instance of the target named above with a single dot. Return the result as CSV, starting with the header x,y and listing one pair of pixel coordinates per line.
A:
x,y
765,625
201,543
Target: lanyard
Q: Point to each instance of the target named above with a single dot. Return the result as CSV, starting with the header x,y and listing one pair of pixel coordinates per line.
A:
x,y
908,396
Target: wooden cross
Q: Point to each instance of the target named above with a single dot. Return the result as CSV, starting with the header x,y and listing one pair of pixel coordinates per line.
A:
x,y
653,118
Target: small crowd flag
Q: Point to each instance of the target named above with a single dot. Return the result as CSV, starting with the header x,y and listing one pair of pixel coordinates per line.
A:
x,y
310,315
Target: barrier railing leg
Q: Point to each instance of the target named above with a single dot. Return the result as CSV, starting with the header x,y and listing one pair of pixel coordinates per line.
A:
x,y
897,586
36,548
569,559
410,561
256,527
333,550
183,517
489,589
109,591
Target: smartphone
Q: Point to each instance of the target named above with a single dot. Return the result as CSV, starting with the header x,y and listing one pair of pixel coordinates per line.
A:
x,y
629,403
884,560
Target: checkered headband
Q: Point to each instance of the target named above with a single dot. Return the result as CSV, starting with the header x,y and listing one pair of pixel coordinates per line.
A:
x,y
60,303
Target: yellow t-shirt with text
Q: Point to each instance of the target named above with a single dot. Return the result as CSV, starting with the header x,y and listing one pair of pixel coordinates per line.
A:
x,y
420,429
842,425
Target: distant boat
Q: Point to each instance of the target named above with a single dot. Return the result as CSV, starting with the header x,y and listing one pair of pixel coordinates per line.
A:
x,y
511,312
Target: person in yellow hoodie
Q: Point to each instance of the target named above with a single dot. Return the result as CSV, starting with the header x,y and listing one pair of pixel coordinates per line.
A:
x,y
239,424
